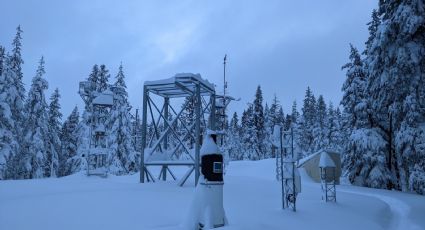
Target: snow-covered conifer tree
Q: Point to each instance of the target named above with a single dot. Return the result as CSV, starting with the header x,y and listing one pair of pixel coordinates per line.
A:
x,y
395,65
306,122
233,143
320,125
103,78
188,117
68,159
9,146
268,128
258,119
34,150
373,27
54,143
15,65
248,134
12,98
94,78
333,130
123,158
364,158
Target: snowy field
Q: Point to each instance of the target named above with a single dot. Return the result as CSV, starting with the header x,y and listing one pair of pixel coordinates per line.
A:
x,y
252,201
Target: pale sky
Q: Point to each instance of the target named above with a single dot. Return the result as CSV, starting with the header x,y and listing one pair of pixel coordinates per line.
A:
x,y
282,45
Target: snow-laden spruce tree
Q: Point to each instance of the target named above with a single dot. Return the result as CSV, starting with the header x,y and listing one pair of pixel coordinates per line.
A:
x,y
333,130
36,138
396,70
188,118
267,132
276,113
364,155
123,158
103,78
259,124
9,146
68,159
12,98
373,28
306,123
320,125
15,70
94,82
54,127
233,143
248,135
292,123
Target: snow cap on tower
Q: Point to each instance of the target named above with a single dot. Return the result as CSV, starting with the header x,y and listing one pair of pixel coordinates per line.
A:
x,y
326,161
208,144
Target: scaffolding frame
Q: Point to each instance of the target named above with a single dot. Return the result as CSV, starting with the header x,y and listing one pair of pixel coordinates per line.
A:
x,y
285,169
99,105
328,183
157,142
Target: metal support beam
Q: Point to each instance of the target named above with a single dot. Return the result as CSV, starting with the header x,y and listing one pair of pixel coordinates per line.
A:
x,y
168,137
167,119
197,131
144,127
212,124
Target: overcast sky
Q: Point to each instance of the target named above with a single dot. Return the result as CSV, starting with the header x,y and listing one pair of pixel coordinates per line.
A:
x,y
282,45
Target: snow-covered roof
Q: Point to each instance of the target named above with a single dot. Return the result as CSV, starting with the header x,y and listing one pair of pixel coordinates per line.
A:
x,y
209,146
219,103
105,98
181,85
326,161
304,160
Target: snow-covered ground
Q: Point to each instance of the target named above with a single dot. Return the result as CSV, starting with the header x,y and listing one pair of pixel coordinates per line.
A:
x,y
251,199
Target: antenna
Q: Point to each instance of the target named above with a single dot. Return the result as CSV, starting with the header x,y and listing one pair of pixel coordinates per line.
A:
x,y
223,125
224,76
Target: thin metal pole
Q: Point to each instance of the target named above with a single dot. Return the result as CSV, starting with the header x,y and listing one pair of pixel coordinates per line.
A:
x,y
281,168
224,77
212,113
136,127
293,168
197,131
166,118
144,127
224,98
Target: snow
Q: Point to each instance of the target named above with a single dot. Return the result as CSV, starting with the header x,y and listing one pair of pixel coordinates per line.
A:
x,y
209,146
177,77
106,98
206,206
326,161
307,158
251,200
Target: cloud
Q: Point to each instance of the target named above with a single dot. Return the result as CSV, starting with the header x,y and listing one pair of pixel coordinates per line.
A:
x,y
283,45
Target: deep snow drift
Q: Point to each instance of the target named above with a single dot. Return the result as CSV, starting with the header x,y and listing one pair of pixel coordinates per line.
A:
x,y
251,200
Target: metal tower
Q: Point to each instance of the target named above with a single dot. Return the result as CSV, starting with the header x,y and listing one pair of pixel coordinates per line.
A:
x,y
286,170
327,177
99,104
163,142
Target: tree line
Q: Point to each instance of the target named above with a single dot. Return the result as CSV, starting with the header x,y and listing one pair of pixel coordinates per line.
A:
x,y
379,131
35,143
317,126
